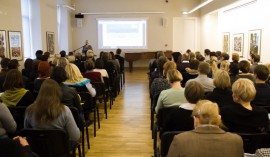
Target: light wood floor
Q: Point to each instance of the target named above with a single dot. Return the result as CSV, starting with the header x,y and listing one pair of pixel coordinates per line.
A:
x,y
126,132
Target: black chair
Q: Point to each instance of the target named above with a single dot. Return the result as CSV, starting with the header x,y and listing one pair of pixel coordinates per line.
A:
x,y
108,89
81,125
18,113
101,94
254,141
50,142
166,140
154,100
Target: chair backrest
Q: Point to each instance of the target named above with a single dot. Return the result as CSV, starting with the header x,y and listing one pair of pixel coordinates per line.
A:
x,y
47,143
162,114
76,115
166,140
18,113
100,88
252,142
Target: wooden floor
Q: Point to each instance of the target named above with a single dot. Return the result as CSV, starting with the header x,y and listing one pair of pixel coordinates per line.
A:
x,y
126,132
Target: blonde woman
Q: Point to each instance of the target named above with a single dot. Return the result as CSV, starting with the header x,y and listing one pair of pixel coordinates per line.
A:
x,y
225,65
75,78
199,142
244,117
173,96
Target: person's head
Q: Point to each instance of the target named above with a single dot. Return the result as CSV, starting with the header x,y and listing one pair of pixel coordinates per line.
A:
x,y
70,54
47,106
118,51
5,63
13,80
225,56
99,64
206,112
194,92
188,51
89,64
218,54
112,55
160,63
175,56
234,69
224,65
173,75
212,54
207,52
167,66
255,58
73,73
244,66
28,63
185,57
46,55
197,53
63,53
243,90
191,56
86,42
39,53
105,57
78,55
59,74
222,79
261,72
89,54
200,58
204,68
194,64
44,69
13,64
235,57
71,59
62,62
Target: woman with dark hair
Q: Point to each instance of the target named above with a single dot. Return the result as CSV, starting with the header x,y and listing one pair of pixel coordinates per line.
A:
x,y
99,67
244,67
28,64
47,112
43,74
233,72
69,95
15,94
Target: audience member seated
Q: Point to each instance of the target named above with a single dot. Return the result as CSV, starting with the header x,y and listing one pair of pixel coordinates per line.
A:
x,y
99,67
15,94
38,56
3,73
90,74
225,65
244,67
43,74
222,93
244,117
7,123
173,96
159,71
262,98
16,147
114,60
153,62
62,62
160,84
184,64
71,57
120,59
191,72
69,95
78,61
47,112
28,65
255,59
235,58
175,56
90,55
233,72
207,55
75,78
181,119
207,139
206,82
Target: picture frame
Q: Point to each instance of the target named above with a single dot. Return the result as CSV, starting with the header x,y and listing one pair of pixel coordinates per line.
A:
x,y
238,44
50,42
15,45
3,44
254,41
226,42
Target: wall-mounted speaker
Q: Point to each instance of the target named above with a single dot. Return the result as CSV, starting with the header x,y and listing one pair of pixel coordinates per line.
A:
x,y
79,16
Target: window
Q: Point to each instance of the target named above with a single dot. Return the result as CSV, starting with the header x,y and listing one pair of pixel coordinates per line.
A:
x,y
122,33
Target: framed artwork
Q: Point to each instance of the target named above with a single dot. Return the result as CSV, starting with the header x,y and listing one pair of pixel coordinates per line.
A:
x,y
15,45
238,44
3,44
226,42
254,42
50,42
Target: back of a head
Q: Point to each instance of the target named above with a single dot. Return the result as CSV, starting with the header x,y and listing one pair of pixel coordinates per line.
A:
x,y
44,69
262,72
5,63
62,62
175,56
89,54
99,64
167,66
73,73
225,56
244,89
194,92
194,64
59,74
213,54
207,52
234,69
185,57
204,68
89,64
78,55
222,79
160,62
207,112
13,64
39,52
63,53
200,58
244,66
118,51
173,75
235,57
256,58
105,57
191,56
13,80
28,63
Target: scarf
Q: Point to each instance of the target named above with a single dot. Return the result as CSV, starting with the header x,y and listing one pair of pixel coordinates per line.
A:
x,y
12,97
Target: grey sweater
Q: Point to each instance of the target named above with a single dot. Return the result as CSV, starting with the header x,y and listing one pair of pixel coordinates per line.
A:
x,y
65,121
7,123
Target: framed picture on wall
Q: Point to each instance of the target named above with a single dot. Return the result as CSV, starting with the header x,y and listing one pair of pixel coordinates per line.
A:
x,y
238,44
50,42
3,44
226,42
254,42
15,45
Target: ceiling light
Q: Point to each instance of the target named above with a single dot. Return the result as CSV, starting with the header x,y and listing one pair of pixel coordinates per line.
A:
x,y
197,7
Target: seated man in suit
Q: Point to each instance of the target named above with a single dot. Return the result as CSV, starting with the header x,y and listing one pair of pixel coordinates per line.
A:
x,y
199,142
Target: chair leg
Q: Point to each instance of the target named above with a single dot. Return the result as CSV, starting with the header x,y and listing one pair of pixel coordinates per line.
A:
x,y
98,118
95,115
79,151
83,152
105,107
87,138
